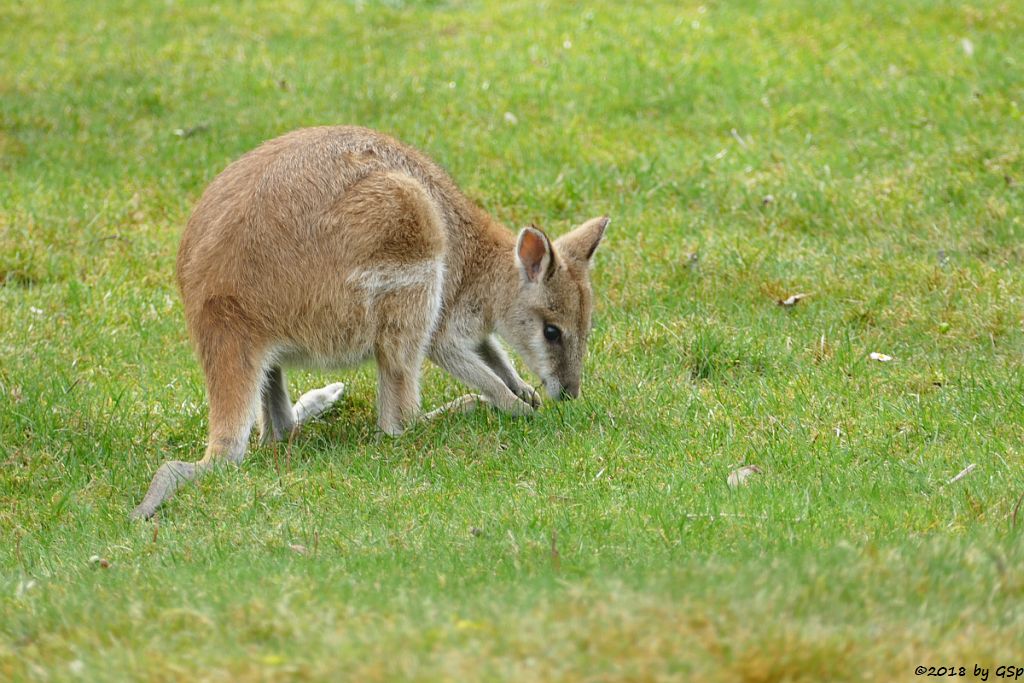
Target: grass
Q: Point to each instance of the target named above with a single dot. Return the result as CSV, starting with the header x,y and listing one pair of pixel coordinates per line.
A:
x,y
870,155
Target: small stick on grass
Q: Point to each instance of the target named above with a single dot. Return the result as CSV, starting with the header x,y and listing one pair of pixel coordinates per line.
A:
x,y
288,451
963,473
1016,509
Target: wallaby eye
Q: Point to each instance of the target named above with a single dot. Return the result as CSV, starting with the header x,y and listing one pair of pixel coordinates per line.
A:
x,y
552,333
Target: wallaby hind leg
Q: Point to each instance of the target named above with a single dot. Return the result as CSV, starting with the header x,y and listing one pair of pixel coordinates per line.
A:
x,y
234,375
279,418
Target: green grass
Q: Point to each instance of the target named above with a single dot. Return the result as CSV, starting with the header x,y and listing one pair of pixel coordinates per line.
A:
x,y
853,151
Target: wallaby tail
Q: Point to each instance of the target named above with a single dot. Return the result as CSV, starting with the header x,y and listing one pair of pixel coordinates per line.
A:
x,y
166,481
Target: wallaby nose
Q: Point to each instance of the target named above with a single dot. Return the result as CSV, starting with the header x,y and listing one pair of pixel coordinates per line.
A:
x,y
570,391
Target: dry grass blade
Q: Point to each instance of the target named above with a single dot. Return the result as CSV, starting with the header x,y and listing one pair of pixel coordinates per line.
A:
x,y
963,473
1016,509
792,300
193,130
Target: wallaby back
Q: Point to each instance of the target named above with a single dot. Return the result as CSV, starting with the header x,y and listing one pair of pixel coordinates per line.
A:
x,y
299,233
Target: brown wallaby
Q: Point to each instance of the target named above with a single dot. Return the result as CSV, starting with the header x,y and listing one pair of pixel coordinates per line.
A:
x,y
335,245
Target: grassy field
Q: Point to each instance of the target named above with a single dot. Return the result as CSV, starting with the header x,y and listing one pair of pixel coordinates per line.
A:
x,y
866,154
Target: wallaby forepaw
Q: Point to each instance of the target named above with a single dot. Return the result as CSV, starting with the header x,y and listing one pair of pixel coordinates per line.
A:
x,y
518,406
529,396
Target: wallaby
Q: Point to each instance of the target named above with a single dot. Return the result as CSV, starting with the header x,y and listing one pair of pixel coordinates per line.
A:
x,y
332,246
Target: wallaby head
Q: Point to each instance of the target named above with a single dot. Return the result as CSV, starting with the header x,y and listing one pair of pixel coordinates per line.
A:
x,y
549,320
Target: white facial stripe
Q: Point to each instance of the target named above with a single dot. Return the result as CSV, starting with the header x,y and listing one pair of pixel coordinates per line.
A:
x,y
539,351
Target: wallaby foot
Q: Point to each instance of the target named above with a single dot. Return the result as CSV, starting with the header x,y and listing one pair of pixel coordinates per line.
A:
x,y
280,418
460,406
470,402
315,403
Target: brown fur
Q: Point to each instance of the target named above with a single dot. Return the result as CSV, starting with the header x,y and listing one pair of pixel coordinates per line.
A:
x,y
333,246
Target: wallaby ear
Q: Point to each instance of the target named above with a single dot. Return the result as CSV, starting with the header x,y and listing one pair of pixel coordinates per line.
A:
x,y
534,255
581,243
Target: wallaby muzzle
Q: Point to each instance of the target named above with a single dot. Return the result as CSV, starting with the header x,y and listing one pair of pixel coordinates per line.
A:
x,y
568,392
